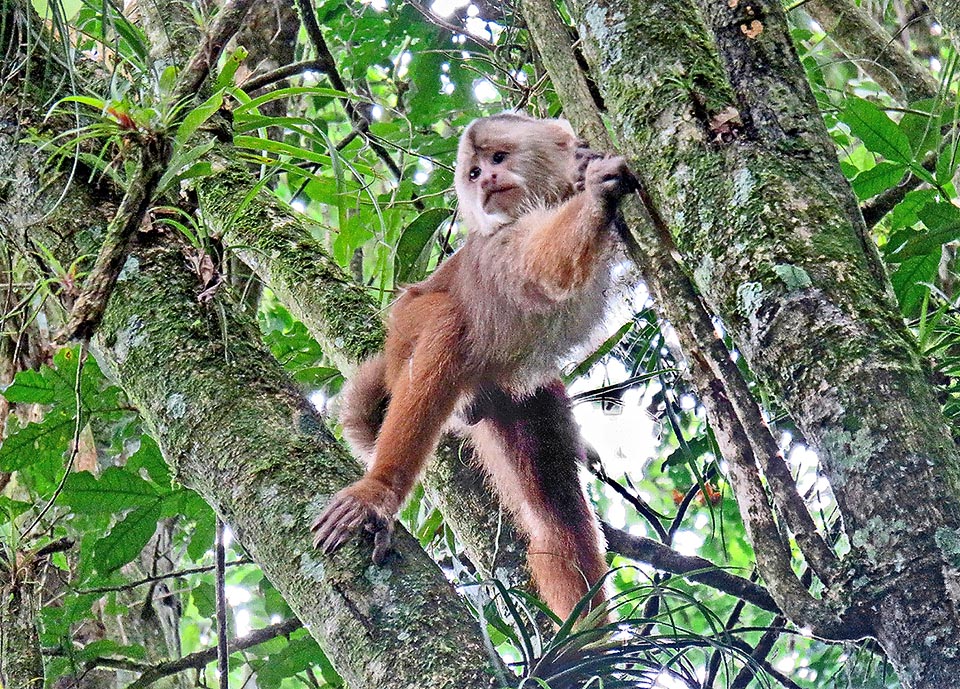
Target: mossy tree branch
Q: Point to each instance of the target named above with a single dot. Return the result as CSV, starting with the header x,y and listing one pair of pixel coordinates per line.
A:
x,y
235,429
154,155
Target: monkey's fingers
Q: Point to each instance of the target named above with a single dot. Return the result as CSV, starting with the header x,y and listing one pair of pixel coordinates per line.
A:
x,y
334,526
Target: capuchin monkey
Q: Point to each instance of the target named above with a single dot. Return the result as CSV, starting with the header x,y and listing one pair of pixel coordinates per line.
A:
x,y
483,338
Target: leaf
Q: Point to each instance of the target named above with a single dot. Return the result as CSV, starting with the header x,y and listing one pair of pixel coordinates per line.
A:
x,y
942,221
126,539
115,491
911,281
196,117
37,442
408,265
876,130
149,458
877,179
601,352
230,66
904,214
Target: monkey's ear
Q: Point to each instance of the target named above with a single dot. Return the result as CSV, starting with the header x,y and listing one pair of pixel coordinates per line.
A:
x,y
562,133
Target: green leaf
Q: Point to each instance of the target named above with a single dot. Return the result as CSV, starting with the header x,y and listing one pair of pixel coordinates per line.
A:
x,y
205,598
196,117
149,458
947,164
904,214
877,179
296,657
230,66
911,281
115,491
942,221
11,509
601,352
922,126
126,539
37,442
409,264
201,541
876,130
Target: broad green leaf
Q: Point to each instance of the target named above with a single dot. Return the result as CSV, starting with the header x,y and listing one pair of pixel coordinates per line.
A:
x,y
37,442
921,124
126,539
912,279
876,130
11,509
947,163
409,263
149,458
115,491
904,214
351,236
296,657
877,179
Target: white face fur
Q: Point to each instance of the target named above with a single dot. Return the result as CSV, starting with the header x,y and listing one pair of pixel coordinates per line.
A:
x,y
508,164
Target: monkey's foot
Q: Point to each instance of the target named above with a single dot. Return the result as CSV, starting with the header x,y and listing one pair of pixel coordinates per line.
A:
x,y
368,504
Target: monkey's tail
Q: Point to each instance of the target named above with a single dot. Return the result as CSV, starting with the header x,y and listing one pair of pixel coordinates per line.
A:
x,y
363,405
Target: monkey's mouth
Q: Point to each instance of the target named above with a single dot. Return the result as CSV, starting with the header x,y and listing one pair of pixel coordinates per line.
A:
x,y
492,193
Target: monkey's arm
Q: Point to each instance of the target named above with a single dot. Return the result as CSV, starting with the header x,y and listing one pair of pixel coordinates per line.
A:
x,y
426,376
561,247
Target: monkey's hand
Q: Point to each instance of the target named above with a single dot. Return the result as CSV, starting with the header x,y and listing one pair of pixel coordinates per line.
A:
x,y
369,504
581,159
609,179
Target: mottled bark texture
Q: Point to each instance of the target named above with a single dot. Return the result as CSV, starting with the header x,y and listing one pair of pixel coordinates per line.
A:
x,y
777,247
743,436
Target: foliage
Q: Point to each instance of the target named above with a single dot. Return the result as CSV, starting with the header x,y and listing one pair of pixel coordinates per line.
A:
x,y
83,467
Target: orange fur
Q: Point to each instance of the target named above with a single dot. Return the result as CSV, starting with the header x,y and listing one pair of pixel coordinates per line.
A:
x,y
487,332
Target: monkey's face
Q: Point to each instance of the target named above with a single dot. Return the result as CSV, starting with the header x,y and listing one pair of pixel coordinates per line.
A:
x,y
508,164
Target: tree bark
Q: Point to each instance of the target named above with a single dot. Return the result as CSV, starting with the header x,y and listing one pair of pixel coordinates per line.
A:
x,y
778,249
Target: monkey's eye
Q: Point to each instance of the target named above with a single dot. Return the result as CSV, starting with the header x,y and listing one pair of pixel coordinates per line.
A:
x,y
474,173
499,157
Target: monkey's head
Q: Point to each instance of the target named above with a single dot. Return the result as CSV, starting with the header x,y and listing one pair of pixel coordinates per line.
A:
x,y
509,163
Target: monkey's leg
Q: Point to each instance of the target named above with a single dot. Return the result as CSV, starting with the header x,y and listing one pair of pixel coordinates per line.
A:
x,y
532,450
423,393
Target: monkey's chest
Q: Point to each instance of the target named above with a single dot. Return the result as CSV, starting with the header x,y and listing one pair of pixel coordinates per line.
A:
x,y
525,343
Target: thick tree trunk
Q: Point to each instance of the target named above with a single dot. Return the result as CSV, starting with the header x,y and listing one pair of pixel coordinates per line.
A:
x,y
778,249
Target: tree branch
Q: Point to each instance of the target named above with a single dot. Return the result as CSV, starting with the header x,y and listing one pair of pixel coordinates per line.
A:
x,y
696,569
732,411
200,659
154,155
873,49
